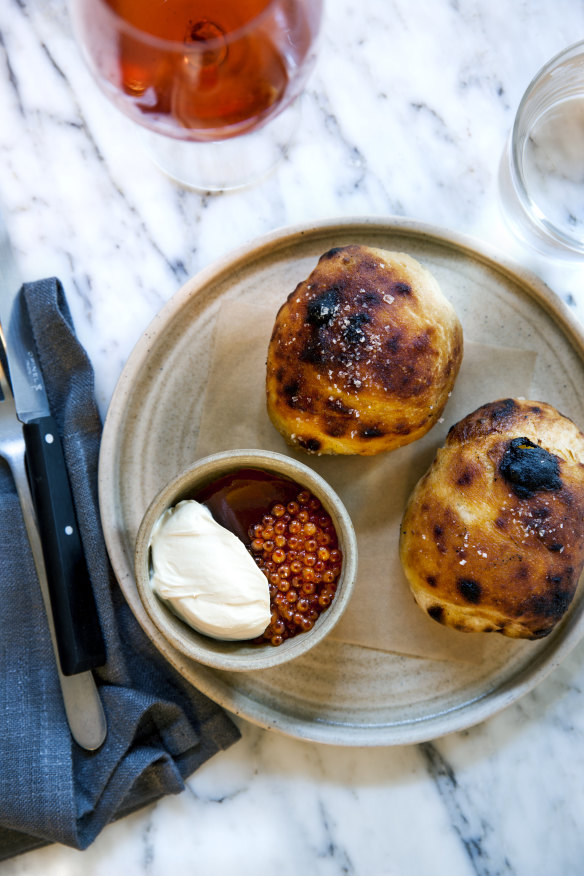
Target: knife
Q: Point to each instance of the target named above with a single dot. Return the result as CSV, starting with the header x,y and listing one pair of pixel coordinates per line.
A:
x,y
83,707
79,637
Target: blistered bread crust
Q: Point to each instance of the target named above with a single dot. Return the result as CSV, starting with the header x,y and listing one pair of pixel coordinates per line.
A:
x,y
478,556
363,354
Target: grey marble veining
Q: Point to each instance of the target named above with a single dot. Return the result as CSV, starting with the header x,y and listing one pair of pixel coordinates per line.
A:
x,y
406,114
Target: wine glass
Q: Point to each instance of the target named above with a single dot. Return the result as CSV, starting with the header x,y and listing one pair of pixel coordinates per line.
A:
x,y
212,83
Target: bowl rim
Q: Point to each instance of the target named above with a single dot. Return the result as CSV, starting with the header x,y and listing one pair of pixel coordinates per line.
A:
x,y
241,656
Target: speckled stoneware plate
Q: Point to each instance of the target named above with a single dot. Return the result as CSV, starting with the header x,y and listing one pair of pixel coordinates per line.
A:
x,y
337,693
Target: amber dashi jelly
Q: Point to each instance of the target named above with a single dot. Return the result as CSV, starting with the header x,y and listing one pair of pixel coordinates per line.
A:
x,y
225,74
292,539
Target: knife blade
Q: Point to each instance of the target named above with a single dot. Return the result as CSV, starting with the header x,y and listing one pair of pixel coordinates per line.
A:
x,y
79,637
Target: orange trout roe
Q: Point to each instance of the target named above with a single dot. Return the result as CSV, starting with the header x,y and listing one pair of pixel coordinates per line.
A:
x,y
296,547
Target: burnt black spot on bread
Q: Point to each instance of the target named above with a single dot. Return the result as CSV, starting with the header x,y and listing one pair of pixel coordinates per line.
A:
x,y
321,309
312,352
331,253
393,344
292,397
301,402
529,468
368,298
431,580
313,445
371,432
556,547
560,576
436,612
541,633
552,604
469,589
401,288
438,537
353,331
422,342
540,513
503,409
337,405
465,478
335,427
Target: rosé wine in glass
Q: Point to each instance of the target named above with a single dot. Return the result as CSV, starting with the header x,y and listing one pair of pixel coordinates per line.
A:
x,y
200,71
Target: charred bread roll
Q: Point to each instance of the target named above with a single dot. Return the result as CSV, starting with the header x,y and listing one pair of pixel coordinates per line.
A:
x,y
363,354
492,538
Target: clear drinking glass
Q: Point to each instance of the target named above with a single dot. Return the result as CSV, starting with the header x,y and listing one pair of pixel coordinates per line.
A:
x,y
210,82
542,170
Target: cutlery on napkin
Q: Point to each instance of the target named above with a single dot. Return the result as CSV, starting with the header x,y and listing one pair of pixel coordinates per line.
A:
x,y
32,447
83,706
160,727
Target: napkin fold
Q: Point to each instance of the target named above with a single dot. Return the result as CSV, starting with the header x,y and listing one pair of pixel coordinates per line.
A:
x,y
160,728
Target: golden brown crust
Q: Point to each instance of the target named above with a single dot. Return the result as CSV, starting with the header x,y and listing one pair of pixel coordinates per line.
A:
x,y
492,538
363,354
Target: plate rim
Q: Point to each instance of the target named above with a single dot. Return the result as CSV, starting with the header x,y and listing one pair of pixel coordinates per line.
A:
x,y
419,730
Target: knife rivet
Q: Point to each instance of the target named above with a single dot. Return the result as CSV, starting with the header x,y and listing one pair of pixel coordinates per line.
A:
x,y
49,438
68,530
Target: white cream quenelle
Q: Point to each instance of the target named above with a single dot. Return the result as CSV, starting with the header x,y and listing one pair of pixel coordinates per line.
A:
x,y
206,574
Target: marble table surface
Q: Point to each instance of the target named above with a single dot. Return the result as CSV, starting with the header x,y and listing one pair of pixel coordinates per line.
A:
x,y
405,115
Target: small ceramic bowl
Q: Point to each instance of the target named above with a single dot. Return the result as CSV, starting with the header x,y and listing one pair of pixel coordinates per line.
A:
x,y
243,656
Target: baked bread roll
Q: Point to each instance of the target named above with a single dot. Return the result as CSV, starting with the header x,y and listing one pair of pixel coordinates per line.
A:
x,y
492,538
363,354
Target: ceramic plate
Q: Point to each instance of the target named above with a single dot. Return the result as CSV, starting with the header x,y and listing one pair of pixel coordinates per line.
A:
x,y
337,693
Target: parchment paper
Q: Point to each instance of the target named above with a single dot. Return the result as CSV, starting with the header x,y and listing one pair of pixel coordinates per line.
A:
x,y
382,613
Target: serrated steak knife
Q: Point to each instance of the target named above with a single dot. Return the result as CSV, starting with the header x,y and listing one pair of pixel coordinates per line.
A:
x,y
79,639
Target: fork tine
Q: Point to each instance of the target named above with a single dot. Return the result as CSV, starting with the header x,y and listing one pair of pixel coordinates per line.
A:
x,y
4,386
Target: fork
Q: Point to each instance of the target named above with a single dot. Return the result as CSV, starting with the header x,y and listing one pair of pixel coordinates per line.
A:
x,y
83,706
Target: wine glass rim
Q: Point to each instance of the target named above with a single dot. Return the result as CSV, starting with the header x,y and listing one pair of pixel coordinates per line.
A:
x,y
565,54
145,36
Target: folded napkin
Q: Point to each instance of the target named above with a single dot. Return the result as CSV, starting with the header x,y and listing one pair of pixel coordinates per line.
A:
x,y
160,729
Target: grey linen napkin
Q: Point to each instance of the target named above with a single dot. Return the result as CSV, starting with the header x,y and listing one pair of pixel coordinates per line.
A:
x,y
160,728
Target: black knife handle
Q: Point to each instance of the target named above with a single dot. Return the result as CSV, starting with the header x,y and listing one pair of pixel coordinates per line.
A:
x,y
79,637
